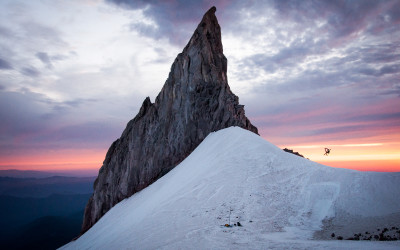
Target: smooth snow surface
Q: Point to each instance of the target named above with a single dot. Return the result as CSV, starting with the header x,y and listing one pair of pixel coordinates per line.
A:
x,y
279,199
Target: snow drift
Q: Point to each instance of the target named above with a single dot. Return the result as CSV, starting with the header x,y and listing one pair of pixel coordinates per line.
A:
x,y
279,199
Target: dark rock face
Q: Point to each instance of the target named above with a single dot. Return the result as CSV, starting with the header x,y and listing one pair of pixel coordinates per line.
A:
x,y
194,101
292,152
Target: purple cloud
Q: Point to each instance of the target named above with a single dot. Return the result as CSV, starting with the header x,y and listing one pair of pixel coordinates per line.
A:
x,y
344,18
316,68
42,56
4,65
30,120
175,20
30,71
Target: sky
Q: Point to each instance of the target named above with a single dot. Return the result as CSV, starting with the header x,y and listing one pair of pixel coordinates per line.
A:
x,y
311,74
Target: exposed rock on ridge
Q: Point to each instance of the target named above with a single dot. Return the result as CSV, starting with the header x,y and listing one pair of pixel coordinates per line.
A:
x,y
194,101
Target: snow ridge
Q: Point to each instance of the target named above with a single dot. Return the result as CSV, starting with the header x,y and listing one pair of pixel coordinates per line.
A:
x,y
281,201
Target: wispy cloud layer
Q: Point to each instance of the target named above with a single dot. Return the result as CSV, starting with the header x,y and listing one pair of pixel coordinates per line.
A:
x,y
73,73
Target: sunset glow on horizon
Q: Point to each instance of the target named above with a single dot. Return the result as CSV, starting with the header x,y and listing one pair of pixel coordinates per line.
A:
x,y
363,157
311,74
378,157
63,160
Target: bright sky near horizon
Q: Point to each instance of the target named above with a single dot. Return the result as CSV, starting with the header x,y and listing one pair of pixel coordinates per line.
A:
x,y
311,74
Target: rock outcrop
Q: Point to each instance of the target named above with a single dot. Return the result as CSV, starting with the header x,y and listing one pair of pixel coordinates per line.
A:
x,y
194,101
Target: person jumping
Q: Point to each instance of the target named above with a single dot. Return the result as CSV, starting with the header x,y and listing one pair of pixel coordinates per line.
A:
x,y
327,151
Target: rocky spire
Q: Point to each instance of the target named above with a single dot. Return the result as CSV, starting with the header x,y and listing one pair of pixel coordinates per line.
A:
x,y
194,101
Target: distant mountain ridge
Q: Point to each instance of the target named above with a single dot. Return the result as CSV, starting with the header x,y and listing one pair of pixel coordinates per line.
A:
x,y
15,173
194,101
40,223
41,210
45,186
48,232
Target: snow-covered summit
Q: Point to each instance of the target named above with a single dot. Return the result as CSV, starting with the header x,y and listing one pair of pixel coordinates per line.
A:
x,y
279,199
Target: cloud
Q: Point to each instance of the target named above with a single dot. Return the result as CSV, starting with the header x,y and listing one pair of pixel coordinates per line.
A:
x,y
27,113
173,20
30,71
321,68
388,69
43,34
4,65
287,57
48,60
4,32
34,121
382,117
20,114
23,37
378,53
44,58
343,18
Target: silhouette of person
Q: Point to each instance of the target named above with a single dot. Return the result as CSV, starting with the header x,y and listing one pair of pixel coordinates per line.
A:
x,y
327,151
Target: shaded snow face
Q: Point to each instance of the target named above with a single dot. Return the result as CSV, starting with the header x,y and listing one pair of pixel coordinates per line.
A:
x,y
234,176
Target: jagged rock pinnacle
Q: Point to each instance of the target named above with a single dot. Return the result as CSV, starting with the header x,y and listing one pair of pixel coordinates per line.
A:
x,y
210,28
194,101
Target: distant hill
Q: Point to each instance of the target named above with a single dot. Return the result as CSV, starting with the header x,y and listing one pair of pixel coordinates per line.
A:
x,y
16,211
48,232
19,216
41,212
14,173
43,187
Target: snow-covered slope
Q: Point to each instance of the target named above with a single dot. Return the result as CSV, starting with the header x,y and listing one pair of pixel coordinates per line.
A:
x,y
279,199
